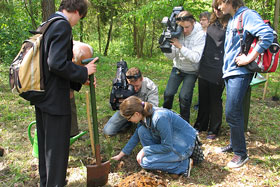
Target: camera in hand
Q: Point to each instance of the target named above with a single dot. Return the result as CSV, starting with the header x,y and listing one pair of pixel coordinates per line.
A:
x,y
172,30
121,89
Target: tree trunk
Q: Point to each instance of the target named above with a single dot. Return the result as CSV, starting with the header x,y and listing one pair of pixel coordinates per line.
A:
x,y
30,12
135,40
153,38
48,8
81,30
109,34
135,33
141,41
99,33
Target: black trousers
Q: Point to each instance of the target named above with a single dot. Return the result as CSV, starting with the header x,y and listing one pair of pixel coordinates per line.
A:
x,y
210,106
53,133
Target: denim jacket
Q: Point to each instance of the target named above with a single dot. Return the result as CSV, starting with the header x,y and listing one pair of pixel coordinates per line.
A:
x,y
252,23
170,131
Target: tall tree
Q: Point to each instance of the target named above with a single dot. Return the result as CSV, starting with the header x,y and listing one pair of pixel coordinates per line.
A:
x,y
109,33
48,8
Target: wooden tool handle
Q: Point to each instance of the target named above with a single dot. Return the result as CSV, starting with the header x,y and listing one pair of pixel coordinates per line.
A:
x,y
89,125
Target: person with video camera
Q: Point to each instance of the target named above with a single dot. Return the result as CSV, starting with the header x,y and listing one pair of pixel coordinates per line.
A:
x,y
144,88
186,53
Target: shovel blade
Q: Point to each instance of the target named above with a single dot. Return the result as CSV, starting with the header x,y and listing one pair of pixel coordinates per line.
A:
x,y
97,175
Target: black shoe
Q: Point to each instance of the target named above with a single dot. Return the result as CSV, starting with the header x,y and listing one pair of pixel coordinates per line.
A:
x,y
226,149
237,161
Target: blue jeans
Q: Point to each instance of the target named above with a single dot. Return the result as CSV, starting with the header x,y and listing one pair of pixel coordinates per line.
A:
x,y
168,162
236,87
186,92
115,124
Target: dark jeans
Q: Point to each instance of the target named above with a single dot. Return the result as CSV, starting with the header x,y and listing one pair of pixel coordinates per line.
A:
x,y
210,109
186,92
236,87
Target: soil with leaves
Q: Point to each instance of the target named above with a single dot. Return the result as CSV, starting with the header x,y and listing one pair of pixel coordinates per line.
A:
x,y
19,168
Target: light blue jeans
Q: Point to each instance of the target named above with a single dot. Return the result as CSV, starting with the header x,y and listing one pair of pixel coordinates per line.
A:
x,y
186,92
168,162
115,124
236,87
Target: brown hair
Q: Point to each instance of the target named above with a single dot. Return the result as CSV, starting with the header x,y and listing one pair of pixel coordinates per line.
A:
x,y
72,5
214,18
134,104
204,14
235,3
135,73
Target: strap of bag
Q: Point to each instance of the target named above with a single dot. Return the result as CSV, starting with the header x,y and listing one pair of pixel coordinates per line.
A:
x,y
240,32
45,25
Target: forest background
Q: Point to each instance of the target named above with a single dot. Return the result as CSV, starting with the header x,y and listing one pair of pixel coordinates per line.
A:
x,y
129,30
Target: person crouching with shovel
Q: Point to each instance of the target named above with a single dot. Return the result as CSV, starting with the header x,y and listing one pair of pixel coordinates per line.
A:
x,y
168,140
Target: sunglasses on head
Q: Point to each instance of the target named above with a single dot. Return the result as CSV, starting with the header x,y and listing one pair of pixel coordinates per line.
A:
x,y
184,18
133,76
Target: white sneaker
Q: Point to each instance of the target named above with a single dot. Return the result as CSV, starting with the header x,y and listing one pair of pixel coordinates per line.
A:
x,y
188,172
237,161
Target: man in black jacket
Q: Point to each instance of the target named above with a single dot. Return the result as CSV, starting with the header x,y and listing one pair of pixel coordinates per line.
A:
x,y
53,113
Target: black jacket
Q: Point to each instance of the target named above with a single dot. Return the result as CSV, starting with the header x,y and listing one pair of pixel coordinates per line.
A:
x,y
60,73
211,63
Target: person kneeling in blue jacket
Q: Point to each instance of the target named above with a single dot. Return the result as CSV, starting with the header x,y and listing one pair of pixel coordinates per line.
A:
x,y
168,140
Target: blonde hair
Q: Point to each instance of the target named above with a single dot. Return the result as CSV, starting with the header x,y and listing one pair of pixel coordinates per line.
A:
x,y
134,104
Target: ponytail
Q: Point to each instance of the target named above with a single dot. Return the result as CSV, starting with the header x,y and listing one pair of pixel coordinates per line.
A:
x,y
134,104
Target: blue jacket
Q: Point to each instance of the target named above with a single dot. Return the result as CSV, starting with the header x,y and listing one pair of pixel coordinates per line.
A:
x,y
252,23
173,133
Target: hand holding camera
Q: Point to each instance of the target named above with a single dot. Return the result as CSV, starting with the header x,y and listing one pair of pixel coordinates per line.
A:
x,y
172,31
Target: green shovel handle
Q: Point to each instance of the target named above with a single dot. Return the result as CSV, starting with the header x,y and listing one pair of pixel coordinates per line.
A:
x,y
93,110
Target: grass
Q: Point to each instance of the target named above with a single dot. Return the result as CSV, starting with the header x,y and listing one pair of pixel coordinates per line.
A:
x,y
19,168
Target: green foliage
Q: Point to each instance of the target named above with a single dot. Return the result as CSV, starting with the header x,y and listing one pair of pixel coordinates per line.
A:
x,y
14,27
15,23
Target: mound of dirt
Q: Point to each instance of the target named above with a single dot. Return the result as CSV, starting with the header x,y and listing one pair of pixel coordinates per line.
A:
x,y
142,178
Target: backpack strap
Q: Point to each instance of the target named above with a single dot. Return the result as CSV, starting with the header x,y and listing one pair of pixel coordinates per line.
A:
x,y
240,32
45,25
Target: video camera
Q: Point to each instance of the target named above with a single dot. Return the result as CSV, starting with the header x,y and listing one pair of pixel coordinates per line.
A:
x,y
172,30
121,89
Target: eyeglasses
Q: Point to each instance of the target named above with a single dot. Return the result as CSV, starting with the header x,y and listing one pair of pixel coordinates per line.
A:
x,y
185,18
133,76
129,117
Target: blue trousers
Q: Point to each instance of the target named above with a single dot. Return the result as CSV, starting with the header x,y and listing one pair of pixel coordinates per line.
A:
x,y
186,92
115,124
236,87
169,162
